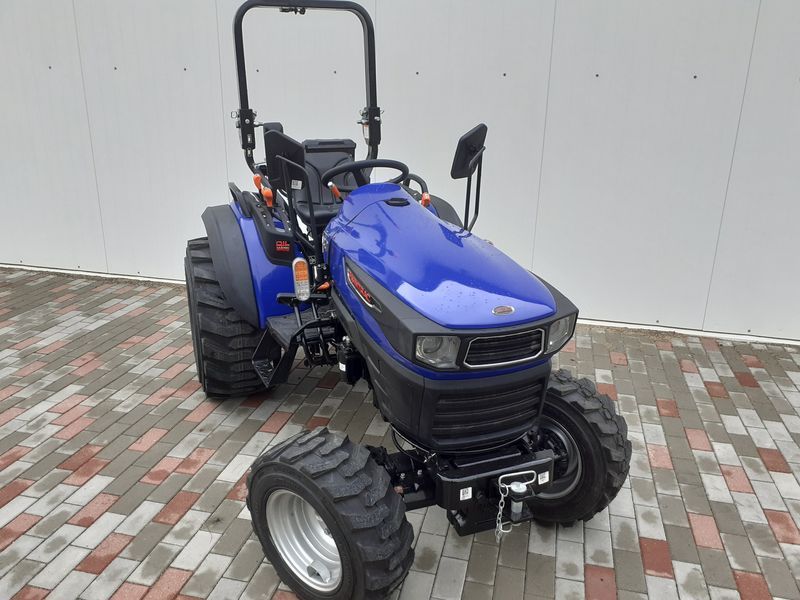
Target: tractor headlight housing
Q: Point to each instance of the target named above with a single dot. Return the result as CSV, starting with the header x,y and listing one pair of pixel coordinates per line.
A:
x,y
439,351
559,332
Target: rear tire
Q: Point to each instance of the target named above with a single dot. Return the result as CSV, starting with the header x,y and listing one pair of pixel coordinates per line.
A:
x,y
223,342
339,484
578,419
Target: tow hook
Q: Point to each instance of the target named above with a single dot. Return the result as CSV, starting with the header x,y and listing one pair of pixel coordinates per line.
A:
x,y
517,491
517,487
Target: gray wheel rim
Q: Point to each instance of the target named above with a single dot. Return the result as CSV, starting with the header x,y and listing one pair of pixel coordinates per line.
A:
x,y
565,483
303,540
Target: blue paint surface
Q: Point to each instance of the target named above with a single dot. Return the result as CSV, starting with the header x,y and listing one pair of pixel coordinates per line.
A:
x,y
445,273
269,279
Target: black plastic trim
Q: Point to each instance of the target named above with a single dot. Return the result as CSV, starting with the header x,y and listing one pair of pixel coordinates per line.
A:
x,y
401,324
231,264
408,400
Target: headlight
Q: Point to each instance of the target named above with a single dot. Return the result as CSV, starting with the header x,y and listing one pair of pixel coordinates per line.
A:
x,y
559,332
439,351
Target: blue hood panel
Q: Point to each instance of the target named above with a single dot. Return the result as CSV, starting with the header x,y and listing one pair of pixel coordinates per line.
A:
x,y
447,274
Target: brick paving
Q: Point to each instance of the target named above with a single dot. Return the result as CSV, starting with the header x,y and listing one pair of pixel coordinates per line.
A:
x,y
120,479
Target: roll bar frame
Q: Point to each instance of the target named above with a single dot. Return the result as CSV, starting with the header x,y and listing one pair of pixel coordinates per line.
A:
x,y
245,116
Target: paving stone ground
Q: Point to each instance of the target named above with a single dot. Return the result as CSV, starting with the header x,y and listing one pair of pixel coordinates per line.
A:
x,y
120,479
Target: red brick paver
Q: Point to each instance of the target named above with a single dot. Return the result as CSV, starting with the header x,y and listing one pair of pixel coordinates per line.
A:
x,y
601,583
11,531
667,408
752,586
783,526
656,557
774,460
144,443
168,585
102,556
176,508
704,529
92,511
659,456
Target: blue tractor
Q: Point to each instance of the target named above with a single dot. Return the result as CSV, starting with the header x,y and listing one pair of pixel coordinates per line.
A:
x,y
386,283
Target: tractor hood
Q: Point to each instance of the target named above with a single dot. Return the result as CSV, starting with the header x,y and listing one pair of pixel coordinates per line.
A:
x,y
445,273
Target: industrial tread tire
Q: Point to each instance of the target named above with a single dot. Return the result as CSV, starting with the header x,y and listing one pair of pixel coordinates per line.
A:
x,y
356,501
223,342
601,436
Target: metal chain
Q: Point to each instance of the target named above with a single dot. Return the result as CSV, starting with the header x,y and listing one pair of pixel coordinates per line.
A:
x,y
499,530
504,488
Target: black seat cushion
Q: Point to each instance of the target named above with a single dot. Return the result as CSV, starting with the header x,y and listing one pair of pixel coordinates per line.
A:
x,y
320,156
323,213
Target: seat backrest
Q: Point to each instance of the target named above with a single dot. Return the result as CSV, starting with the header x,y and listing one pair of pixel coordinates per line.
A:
x,y
278,144
326,154
322,155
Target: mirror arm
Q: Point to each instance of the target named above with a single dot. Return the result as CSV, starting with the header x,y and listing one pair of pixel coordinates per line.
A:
x,y
466,202
475,162
477,159
477,195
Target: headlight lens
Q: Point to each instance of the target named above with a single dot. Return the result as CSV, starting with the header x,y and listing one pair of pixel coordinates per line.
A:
x,y
439,351
560,332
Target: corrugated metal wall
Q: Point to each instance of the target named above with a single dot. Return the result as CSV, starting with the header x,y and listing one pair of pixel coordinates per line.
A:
x,y
642,155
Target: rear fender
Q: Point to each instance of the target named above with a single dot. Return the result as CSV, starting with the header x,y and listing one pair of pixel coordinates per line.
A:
x,y
249,278
231,263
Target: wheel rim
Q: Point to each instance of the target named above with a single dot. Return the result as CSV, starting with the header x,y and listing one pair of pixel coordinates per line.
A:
x,y
568,469
303,540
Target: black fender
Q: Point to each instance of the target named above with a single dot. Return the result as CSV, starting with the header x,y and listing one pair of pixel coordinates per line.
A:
x,y
444,209
231,264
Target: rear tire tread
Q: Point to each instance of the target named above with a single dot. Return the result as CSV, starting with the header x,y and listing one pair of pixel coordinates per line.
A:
x,y
224,342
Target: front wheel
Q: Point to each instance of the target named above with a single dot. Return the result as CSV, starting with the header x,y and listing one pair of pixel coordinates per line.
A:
x,y
328,519
592,449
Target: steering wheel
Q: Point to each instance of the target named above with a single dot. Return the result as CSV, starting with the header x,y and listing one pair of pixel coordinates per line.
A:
x,y
356,168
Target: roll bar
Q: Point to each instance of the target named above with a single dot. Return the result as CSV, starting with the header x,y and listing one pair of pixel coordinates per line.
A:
x,y
371,115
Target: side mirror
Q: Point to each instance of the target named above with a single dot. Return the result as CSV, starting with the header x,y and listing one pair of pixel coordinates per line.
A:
x,y
468,152
468,158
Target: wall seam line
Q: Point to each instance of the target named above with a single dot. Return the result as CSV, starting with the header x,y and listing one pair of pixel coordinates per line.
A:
x,y
91,137
544,132
730,167
222,92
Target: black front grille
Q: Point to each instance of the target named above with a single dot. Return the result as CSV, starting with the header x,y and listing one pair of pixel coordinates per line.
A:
x,y
491,415
504,349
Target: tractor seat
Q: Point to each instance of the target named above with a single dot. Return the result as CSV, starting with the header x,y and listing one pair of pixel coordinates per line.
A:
x,y
324,211
320,156
317,156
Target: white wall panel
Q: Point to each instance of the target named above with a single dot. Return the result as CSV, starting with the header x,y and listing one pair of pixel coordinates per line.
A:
x,y
154,97
638,152
446,66
756,284
48,198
